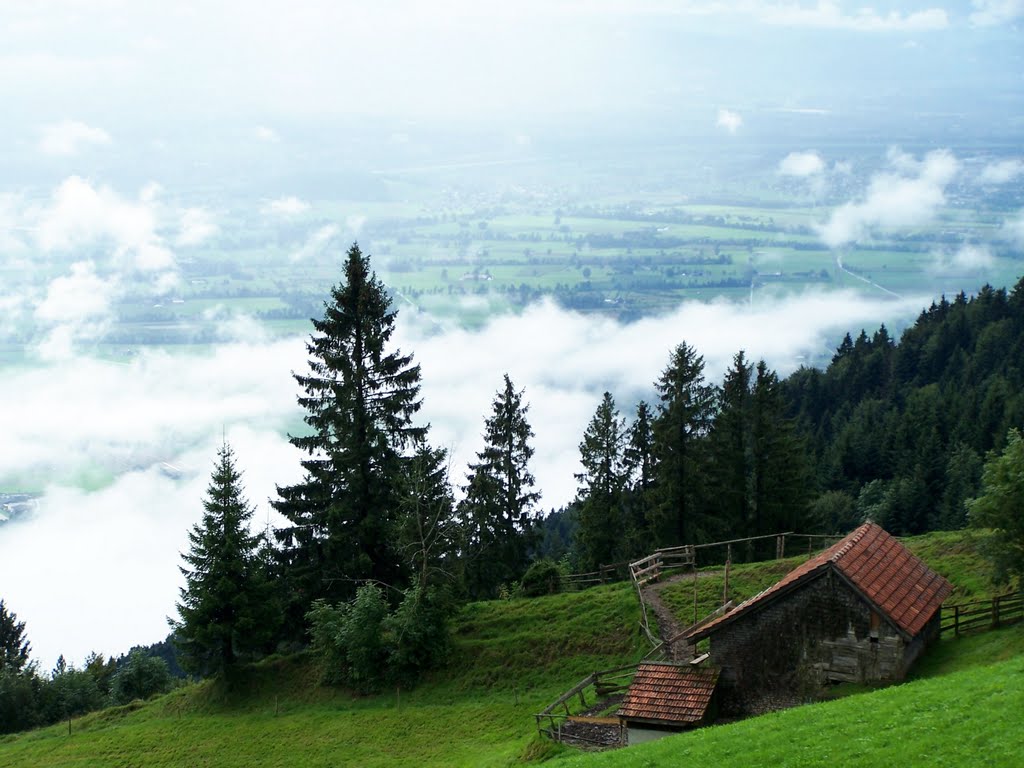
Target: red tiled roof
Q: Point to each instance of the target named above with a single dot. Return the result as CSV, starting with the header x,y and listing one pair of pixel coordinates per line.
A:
x,y
669,693
899,584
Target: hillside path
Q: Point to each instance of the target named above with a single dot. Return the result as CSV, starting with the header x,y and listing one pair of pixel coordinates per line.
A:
x,y
668,625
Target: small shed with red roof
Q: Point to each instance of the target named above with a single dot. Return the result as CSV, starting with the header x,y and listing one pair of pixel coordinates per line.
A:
x,y
666,697
861,611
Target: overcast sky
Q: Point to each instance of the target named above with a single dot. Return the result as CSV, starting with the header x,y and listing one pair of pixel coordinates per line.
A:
x,y
110,110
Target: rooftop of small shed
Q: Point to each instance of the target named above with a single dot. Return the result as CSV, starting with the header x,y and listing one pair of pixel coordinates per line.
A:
x,y
669,693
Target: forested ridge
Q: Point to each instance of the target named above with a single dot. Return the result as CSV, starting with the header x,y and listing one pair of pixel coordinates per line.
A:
x,y
899,431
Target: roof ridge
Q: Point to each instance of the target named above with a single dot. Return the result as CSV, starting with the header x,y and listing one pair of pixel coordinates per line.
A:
x,y
851,540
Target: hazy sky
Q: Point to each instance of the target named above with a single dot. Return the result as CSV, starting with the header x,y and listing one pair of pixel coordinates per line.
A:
x,y
115,112
113,64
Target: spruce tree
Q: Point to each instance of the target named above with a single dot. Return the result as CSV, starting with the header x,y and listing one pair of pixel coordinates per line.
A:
x,y
359,397
221,613
641,468
731,449
602,482
685,411
14,646
781,477
498,508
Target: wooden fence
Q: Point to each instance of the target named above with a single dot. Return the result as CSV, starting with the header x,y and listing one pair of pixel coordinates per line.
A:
x,y
651,567
1000,611
603,575
550,720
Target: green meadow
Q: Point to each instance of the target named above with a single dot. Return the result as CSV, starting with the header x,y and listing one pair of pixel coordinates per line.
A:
x,y
513,657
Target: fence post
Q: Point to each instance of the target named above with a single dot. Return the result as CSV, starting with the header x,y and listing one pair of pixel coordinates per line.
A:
x,y
956,621
995,611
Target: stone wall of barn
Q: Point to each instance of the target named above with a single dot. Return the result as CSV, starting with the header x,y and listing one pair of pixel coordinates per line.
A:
x,y
785,652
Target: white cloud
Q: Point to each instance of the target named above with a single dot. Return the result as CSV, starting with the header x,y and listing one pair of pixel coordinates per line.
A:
x,y
123,540
827,14
1013,229
566,360
268,135
909,196
68,137
801,164
354,223
990,13
286,206
82,295
729,120
1002,171
316,242
12,230
12,307
969,259
109,240
196,227
76,307
80,215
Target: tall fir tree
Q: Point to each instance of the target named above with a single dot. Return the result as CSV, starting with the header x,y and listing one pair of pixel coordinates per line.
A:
x,y
781,477
641,468
360,398
498,508
731,449
223,609
685,411
14,646
602,484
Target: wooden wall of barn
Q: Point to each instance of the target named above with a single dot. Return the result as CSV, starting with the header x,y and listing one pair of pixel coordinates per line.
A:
x,y
785,652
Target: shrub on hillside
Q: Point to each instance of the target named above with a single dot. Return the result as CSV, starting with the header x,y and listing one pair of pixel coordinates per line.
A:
x,y
544,577
366,646
140,677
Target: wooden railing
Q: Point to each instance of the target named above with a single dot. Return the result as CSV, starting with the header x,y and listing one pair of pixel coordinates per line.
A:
x,y
1000,611
603,575
605,683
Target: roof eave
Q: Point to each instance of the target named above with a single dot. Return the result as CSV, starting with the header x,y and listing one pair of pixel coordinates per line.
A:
x,y
700,634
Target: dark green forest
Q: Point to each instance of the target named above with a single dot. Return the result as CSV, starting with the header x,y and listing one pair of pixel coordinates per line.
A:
x,y
381,548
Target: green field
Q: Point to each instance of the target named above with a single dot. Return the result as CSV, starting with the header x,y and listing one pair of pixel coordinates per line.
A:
x,y
514,657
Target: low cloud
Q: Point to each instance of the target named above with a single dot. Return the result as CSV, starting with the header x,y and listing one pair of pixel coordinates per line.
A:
x,y
827,14
76,307
196,227
80,215
68,137
801,164
286,206
1013,229
1002,171
990,13
970,259
565,361
110,240
908,195
316,243
268,135
729,120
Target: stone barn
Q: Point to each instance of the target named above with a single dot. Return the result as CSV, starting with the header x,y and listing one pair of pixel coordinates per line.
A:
x,y
861,611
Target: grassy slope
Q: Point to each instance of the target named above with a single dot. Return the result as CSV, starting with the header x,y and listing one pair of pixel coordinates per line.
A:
x,y
967,717
511,659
